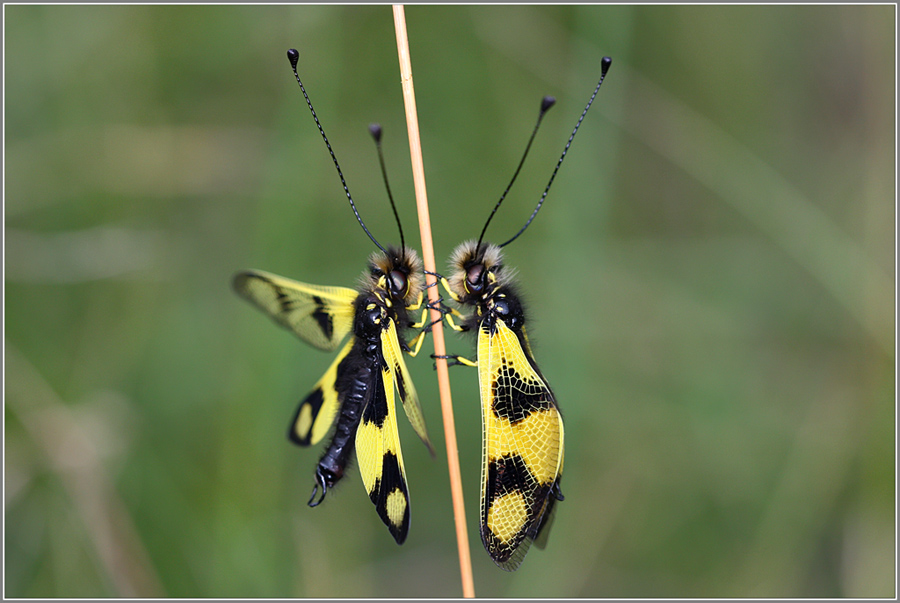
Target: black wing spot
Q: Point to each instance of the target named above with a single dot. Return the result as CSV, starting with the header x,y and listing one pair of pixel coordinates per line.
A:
x,y
376,410
314,400
391,479
322,317
401,384
283,299
514,399
509,475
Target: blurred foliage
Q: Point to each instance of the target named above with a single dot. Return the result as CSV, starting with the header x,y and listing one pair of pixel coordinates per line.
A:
x,y
711,285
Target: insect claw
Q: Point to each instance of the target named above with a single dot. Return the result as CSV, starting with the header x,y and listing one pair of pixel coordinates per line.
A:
x,y
556,492
319,482
427,328
440,306
311,498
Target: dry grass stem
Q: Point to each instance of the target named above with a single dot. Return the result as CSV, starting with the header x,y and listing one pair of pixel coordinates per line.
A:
x,y
415,148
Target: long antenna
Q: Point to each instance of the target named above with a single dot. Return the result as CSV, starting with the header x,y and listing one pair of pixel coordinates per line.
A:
x,y
375,131
293,57
604,67
546,103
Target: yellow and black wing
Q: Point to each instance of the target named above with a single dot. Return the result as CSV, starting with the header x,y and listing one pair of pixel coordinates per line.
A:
x,y
319,408
393,358
320,316
522,448
379,456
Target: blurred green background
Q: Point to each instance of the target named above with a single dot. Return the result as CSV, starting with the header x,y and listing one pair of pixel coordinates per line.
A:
x,y
711,288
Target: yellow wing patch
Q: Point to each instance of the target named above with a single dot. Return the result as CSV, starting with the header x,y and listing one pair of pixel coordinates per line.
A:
x,y
318,409
380,459
522,446
321,316
393,358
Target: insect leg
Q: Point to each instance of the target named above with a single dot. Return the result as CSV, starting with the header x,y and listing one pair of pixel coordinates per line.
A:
x,y
436,305
418,303
455,359
412,348
445,283
421,323
415,344
448,317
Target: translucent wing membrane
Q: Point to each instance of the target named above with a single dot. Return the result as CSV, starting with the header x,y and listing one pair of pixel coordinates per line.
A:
x,y
393,358
321,316
319,408
380,459
522,446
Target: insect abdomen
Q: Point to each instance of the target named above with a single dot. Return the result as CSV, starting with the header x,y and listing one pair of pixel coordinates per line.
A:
x,y
353,381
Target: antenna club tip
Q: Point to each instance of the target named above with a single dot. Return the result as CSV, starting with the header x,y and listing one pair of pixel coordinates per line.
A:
x,y
605,62
546,103
293,56
375,131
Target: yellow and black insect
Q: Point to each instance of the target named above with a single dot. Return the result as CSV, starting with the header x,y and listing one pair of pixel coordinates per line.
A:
x,y
358,388
522,428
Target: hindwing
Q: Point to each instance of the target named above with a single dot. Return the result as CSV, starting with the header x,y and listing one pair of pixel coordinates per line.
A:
x,y
321,316
379,456
393,359
318,409
522,450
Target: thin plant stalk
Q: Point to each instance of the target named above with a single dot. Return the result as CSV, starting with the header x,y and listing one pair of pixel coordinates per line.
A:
x,y
418,168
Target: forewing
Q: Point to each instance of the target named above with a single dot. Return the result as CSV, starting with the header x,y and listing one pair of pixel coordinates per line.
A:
x,y
522,446
379,456
393,358
321,316
317,411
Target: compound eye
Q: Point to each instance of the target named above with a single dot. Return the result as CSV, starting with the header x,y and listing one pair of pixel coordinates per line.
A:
x,y
473,277
399,282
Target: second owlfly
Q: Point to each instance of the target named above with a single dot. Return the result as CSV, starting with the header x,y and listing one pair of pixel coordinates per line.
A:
x,y
522,428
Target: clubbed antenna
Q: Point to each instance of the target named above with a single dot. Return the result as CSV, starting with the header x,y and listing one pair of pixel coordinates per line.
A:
x,y
294,57
604,67
546,103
